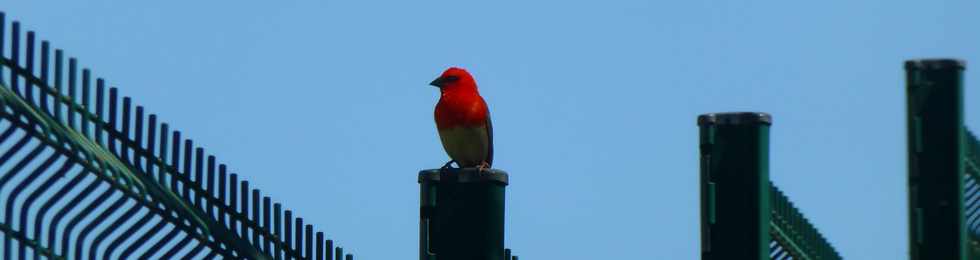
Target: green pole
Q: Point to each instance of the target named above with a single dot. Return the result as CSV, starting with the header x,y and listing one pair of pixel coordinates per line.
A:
x,y
734,185
937,227
462,214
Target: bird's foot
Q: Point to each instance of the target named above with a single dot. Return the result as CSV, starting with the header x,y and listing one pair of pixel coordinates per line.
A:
x,y
483,167
448,165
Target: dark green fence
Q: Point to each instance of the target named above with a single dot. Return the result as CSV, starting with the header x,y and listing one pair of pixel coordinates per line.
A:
x,y
944,196
85,176
743,215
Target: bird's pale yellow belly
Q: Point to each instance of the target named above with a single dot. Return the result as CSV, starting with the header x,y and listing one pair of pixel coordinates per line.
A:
x,y
467,145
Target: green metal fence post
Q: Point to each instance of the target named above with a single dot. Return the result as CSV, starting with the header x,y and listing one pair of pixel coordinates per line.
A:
x,y
735,185
462,214
937,227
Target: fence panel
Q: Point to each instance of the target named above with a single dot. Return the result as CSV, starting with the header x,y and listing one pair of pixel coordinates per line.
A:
x,y
113,181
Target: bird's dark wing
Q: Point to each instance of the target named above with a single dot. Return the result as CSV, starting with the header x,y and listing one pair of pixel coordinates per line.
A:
x,y
489,140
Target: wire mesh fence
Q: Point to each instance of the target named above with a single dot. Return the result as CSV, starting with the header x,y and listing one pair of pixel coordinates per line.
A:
x,y
89,175
971,190
793,236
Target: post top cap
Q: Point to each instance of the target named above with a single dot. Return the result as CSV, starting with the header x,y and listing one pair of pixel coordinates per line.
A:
x,y
466,175
935,64
735,118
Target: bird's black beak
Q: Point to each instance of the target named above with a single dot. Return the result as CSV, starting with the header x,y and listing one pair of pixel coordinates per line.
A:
x,y
438,82
443,80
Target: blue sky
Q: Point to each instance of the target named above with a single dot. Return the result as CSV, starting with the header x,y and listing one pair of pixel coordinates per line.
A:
x,y
324,105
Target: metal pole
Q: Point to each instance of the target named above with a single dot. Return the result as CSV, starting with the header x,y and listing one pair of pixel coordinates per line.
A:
x,y
734,185
462,214
937,227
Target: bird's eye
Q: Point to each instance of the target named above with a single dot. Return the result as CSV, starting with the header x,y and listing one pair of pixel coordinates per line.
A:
x,y
451,78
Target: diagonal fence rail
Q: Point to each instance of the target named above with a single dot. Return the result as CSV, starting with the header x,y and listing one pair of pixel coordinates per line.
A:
x,y
743,215
85,176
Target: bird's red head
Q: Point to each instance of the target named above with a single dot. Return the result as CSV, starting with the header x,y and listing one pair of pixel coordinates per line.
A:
x,y
455,79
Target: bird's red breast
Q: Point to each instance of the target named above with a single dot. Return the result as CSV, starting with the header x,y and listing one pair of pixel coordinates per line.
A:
x,y
461,110
463,119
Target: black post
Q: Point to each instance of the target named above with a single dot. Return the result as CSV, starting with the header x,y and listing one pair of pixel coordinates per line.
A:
x,y
735,185
462,214
937,226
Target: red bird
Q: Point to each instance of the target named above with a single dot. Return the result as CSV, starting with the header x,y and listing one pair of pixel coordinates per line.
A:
x,y
463,120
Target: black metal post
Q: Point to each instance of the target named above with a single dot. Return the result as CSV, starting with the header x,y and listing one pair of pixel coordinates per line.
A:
x,y
462,214
937,228
735,185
